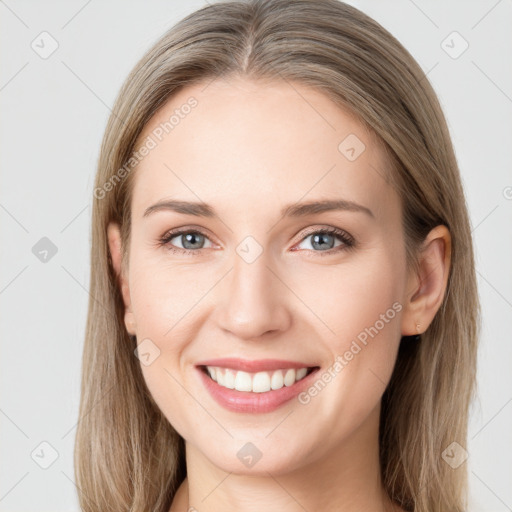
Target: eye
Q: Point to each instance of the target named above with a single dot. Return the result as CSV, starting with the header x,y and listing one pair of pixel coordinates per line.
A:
x,y
324,240
187,241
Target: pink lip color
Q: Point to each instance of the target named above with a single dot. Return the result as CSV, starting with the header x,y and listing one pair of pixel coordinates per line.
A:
x,y
243,401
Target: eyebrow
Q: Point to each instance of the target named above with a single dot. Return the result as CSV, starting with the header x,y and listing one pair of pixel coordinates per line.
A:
x,y
199,209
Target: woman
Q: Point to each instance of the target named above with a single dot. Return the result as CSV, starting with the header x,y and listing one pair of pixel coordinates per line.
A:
x,y
283,306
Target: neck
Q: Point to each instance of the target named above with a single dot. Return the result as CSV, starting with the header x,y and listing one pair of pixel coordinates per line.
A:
x,y
346,479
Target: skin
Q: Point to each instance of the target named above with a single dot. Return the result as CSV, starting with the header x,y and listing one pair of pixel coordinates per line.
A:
x,y
248,149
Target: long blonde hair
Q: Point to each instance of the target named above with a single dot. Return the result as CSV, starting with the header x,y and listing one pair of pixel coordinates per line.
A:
x,y
127,455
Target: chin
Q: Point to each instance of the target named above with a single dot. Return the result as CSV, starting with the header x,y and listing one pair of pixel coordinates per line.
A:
x,y
256,457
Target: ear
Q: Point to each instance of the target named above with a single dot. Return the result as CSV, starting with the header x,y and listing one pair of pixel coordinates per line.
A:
x,y
426,290
115,247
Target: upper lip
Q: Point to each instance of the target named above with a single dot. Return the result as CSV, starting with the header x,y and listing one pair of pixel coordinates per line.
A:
x,y
254,365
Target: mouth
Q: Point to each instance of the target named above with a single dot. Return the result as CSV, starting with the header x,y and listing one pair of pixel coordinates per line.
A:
x,y
254,386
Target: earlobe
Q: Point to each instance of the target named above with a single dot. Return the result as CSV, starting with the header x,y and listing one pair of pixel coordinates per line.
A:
x,y
129,322
426,290
115,248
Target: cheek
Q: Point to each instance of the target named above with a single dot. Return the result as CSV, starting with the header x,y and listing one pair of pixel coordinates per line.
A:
x,y
354,300
164,303
164,298
363,309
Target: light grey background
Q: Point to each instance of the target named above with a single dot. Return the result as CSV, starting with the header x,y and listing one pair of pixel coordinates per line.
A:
x,y
53,113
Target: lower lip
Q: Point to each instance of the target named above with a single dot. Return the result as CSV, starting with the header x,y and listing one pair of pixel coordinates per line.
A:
x,y
243,401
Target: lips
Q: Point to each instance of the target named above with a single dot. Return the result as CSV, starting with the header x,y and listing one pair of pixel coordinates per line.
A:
x,y
254,386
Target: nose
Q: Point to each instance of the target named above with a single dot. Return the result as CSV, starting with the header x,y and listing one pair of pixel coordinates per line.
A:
x,y
253,300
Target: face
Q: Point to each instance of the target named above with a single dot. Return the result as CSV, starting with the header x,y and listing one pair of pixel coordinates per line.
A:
x,y
259,278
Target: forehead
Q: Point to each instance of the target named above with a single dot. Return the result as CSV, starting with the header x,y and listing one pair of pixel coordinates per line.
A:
x,y
240,142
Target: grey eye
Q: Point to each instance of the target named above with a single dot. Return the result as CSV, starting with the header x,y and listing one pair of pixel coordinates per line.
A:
x,y
189,240
321,241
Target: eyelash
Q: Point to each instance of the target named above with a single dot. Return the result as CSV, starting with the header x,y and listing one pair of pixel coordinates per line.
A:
x,y
348,240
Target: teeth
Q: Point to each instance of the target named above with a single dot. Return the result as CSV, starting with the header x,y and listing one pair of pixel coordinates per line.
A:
x,y
220,376
289,377
229,380
259,382
301,373
277,381
243,381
